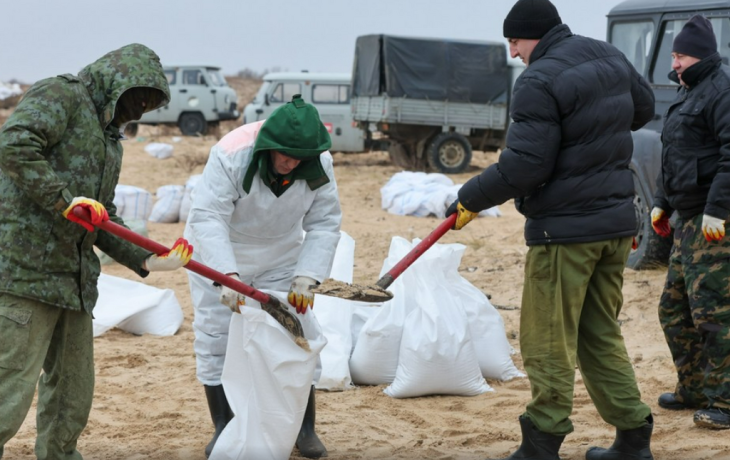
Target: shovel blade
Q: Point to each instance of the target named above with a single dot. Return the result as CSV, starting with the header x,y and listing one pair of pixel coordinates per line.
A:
x,y
347,291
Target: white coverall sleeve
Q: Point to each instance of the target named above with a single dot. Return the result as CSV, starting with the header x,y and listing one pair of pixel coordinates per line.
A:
x,y
212,207
322,226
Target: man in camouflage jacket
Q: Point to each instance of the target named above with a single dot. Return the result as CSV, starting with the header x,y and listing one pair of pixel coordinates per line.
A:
x,y
60,149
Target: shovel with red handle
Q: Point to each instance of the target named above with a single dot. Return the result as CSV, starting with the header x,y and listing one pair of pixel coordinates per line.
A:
x,y
378,292
269,303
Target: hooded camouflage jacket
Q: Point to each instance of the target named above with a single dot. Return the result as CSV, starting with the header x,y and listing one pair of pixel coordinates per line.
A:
x,y
59,144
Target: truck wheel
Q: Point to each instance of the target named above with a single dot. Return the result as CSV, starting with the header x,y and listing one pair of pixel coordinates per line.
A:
x,y
449,153
130,130
192,124
652,250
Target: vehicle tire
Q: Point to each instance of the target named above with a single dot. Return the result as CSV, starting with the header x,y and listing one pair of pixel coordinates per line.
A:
x,y
130,130
652,250
449,153
193,124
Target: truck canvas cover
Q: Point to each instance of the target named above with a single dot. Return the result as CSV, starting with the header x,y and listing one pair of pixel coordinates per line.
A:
x,y
430,68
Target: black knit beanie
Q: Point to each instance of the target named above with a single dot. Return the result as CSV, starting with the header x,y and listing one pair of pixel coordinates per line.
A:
x,y
696,38
531,19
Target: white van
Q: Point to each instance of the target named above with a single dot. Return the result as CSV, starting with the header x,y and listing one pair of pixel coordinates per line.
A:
x,y
328,92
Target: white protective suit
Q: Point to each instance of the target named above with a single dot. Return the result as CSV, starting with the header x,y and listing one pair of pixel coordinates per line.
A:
x,y
267,240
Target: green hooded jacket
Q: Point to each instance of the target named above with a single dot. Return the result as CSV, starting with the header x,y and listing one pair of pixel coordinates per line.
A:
x,y
59,144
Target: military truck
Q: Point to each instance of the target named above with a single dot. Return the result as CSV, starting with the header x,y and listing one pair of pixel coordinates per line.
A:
x,y
199,98
644,31
432,100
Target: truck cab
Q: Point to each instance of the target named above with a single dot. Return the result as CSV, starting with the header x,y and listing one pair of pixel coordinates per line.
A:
x,y
328,92
644,31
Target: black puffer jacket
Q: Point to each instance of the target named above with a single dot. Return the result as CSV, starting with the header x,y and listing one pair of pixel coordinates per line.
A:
x,y
569,148
695,175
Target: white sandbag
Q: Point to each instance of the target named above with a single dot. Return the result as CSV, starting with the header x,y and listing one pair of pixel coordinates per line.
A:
x,y
136,308
361,314
375,356
159,150
420,194
486,326
436,355
136,225
167,207
185,203
335,317
132,202
267,380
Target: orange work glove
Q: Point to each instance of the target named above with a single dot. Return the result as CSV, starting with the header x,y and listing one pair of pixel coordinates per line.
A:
x,y
300,295
660,222
97,212
177,257
713,228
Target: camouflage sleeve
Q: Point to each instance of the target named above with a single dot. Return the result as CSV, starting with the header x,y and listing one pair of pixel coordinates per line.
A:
x,y
38,122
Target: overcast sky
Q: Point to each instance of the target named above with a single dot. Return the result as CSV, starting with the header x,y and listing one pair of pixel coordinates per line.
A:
x,y
42,38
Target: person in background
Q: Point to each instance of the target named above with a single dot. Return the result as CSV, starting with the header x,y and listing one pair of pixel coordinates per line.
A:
x,y
267,213
566,164
694,308
60,150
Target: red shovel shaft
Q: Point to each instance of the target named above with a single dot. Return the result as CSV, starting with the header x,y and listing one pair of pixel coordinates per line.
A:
x,y
193,266
387,279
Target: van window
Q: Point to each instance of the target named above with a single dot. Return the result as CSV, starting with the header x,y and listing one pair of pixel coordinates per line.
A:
x,y
670,29
193,77
634,40
171,76
331,94
284,92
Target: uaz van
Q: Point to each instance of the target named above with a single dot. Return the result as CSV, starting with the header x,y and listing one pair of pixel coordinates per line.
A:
x,y
328,92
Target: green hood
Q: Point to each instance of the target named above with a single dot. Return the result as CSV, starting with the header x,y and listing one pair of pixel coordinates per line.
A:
x,y
128,67
295,130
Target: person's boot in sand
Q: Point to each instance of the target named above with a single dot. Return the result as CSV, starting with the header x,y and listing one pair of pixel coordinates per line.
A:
x,y
308,442
536,445
220,412
629,445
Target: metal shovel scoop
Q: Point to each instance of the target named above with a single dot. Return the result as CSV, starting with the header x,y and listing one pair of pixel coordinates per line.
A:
x,y
378,292
269,303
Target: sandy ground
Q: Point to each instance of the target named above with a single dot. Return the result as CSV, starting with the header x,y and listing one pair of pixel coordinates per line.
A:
x,y
149,405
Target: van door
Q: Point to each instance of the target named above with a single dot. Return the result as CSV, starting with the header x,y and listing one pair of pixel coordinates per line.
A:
x,y
190,93
281,93
332,100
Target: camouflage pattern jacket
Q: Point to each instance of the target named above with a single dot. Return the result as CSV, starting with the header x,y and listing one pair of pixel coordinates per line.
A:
x,y
59,144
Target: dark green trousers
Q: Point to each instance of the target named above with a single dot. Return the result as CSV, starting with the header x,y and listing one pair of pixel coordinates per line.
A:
x,y
34,337
694,311
570,306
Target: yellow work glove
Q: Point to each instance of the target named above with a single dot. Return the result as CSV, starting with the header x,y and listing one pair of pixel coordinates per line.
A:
x,y
660,222
97,212
301,296
713,228
177,257
463,217
232,299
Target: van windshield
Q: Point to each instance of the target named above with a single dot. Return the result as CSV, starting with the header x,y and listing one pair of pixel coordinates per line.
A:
x,y
259,98
216,78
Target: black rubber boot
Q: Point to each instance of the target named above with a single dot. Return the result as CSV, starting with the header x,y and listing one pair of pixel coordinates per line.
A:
x,y
674,401
536,445
629,445
713,417
308,443
220,413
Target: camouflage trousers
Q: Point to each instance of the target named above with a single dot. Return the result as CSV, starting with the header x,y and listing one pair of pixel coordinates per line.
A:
x,y
35,336
694,311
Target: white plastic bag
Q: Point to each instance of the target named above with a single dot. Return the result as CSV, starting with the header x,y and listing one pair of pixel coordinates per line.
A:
x,y
167,207
132,202
135,308
159,150
267,379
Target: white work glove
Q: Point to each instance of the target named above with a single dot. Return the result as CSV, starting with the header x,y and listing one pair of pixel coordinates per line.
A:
x,y
301,296
97,212
660,222
713,228
177,257
232,299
